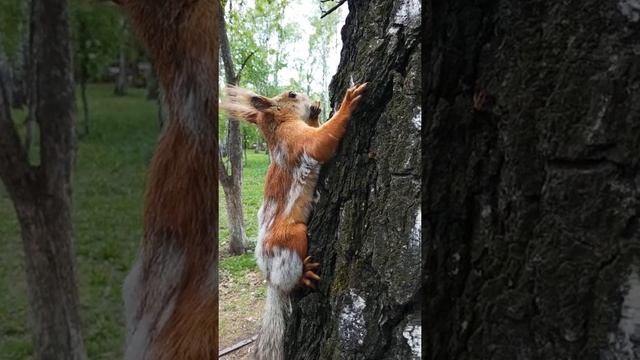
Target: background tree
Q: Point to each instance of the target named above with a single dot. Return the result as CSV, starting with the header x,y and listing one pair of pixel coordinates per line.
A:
x,y
42,193
231,179
321,43
366,227
95,37
122,80
247,46
532,199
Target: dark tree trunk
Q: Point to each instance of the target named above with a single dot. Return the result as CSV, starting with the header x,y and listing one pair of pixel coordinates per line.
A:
x,y
121,81
42,194
162,111
532,198
84,76
153,89
31,68
365,230
85,101
231,179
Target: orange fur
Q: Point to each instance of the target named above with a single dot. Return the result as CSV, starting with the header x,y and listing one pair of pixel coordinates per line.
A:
x,y
181,214
282,125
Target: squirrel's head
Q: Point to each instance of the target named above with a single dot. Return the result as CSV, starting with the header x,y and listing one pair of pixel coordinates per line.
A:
x,y
268,113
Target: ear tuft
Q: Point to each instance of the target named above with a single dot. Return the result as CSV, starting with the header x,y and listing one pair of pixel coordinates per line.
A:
x,y
261,103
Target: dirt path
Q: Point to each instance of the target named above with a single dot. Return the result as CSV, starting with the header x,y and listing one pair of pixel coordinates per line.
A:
x,y
241,304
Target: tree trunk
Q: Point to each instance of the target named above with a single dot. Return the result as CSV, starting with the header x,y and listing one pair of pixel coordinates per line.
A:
x,y
153,88
83,92
121,80
42,194
366,227
45,222
31,69
162,111
232,182
533,197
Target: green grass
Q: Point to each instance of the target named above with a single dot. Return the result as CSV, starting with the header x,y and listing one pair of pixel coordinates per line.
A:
x,y
108,190
238,266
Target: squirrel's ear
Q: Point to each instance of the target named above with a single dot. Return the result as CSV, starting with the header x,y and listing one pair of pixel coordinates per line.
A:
x,y
261,103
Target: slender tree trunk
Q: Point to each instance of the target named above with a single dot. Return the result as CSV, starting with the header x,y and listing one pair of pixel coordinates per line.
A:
x,y
84,74
42,194
153,88
85,101
121,80
162,113
532,188
32,67
232,182
366,227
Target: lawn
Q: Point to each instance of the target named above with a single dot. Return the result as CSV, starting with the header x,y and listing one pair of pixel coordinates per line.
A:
x,y
108,190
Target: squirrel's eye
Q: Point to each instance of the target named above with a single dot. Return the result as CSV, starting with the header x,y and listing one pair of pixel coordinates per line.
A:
x,y
292,94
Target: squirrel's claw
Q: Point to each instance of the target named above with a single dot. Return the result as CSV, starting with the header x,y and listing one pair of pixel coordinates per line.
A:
x,y
312,275
308,265
307,273
308,283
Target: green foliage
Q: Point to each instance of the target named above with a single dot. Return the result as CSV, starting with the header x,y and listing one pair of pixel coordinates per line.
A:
x,y
261,40
13,23
321,44
252,32
97,32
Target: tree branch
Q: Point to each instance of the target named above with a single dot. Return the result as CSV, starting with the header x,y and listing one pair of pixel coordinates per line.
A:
x,y
244,63
325,13
14,164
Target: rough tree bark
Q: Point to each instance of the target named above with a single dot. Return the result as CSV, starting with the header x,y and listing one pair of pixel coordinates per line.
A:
x,y
42,194
532,202
365,230
231,179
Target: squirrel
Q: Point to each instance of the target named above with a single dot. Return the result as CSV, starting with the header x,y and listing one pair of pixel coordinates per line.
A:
x,y
171,293
298,146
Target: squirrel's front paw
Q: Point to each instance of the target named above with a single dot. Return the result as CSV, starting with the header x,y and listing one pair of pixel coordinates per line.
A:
x,y
352,98
315,110
307,273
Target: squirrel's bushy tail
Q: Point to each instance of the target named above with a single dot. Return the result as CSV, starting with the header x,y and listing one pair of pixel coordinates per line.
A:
x,y
271,339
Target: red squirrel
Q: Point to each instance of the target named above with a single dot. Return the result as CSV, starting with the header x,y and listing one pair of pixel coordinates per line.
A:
x,y
298,146
171,293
